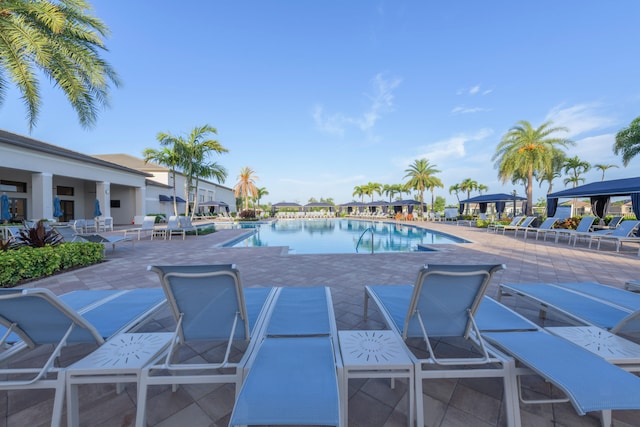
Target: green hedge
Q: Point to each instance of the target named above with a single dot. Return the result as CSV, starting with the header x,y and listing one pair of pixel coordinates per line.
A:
x,y
32,263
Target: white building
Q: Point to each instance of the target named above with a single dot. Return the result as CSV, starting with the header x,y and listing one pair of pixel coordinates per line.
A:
x,y
159,195
33,173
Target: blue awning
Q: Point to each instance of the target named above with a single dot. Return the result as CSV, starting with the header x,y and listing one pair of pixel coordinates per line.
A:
x,y
493,198
612,188
600,192
164,198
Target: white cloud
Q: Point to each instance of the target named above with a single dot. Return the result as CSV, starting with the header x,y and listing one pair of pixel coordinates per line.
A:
x,y
579,119
446,150
381,103
468,110
475,90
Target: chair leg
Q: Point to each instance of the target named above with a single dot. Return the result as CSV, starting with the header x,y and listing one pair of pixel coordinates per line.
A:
x,y
141,412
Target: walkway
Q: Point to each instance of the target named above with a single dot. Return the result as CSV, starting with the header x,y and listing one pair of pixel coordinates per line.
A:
x,y
372,403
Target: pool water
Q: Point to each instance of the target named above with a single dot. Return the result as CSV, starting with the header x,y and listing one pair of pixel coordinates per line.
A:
x,y
331,236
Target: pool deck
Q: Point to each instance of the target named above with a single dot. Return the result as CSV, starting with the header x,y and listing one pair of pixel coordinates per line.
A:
x,y
372,403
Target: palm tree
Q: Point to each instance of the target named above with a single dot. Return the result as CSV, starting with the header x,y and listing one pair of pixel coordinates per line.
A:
x,y
419,173
481,188
603,168
372,188
553,171
206,171
194,152
577,167
359,190
61,41
262,191
431,184
628,142
525,150
165,157
455,189
246,186
468,185
393,189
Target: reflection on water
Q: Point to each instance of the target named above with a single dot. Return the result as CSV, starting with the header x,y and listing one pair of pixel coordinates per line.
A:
x,y
320,236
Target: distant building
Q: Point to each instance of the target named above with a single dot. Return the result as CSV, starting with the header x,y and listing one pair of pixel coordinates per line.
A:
x,y
34,173
621,209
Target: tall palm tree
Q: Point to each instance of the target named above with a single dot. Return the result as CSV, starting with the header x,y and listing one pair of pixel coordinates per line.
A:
x,y
481,188
575,167
524,150
419,173
359,191
603,168
552,171
168,157
206,171
431,184
193,152
455,189
468,185
628,142
393,189
262,191
373,188
246,185
62,41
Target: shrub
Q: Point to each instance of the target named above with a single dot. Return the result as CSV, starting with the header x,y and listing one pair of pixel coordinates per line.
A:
x,y
28,262
38,236
247,214
569,223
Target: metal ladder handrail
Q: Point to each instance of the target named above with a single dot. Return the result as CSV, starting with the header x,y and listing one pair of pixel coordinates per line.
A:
x,y
362,235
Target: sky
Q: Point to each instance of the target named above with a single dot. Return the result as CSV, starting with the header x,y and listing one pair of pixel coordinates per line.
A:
x,y
318,97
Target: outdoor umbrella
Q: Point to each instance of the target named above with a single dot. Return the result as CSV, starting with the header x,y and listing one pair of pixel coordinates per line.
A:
x,y
96,209
4,208
57,211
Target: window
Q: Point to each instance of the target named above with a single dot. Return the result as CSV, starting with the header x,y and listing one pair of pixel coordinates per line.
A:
x,y
21,187
64,191
115,203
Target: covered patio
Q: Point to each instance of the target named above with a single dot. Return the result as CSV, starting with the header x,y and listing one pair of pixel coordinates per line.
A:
x,y
499,200
600,194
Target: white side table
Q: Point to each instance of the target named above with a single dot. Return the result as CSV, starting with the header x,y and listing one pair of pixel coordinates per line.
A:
x,y
118,360
610,347
375,354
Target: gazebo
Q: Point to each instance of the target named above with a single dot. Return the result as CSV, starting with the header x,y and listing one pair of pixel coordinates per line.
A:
x,y
500,200
600,194
318,205
286,205
215,204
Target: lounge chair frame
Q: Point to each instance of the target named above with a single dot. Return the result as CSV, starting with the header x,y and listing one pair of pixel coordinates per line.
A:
x,y
490,363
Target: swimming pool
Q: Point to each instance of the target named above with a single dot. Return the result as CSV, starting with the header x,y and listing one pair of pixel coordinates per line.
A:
x,y
331,236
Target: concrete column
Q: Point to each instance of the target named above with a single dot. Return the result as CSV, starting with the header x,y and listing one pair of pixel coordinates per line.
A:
x,y
141,196
41,196
103,194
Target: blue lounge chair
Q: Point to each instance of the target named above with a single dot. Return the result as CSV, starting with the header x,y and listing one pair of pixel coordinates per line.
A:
x,y
106,240
606,307
583,227
209,304
588,381
293,376
625,232
514,222
522,226
442,305
36,317
546,225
